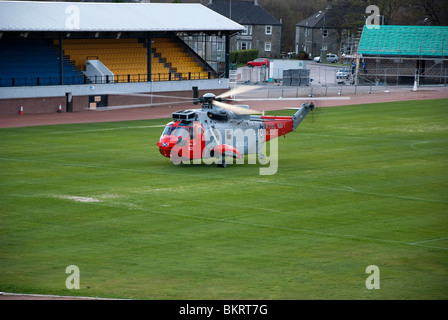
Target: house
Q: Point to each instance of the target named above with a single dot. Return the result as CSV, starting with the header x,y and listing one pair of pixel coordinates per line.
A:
x,y
316,33
262,31
403,54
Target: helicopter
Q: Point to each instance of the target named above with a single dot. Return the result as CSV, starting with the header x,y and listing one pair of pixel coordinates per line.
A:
x,y
220,130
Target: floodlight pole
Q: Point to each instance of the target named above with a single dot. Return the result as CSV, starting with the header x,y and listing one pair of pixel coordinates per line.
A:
x,y
61,61
149,58
227,61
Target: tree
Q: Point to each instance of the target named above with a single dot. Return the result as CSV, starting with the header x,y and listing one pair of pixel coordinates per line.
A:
x,y
388,8
346,16
291,12
435,11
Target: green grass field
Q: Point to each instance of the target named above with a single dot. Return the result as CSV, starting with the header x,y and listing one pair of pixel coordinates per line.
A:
x,y
365,185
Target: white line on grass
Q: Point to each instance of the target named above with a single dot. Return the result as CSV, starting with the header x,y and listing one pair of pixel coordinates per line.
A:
x,y
429,240
343,189
353,190
314,233
91,130
227,219
56,297
260,225
107,129
78,199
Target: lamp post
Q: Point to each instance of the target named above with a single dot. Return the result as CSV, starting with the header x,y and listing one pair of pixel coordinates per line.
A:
x,y
323,50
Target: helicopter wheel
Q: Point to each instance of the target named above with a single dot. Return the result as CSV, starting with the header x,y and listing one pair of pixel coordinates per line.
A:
x,y
223,163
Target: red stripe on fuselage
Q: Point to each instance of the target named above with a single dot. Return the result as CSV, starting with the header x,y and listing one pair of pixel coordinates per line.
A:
x,y
283,125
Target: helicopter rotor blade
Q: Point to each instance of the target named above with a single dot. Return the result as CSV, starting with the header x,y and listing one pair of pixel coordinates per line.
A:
x,y
238,90
130,106
235,109
149,95
294,99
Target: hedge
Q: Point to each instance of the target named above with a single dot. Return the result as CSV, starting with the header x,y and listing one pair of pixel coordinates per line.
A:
x,y
243,56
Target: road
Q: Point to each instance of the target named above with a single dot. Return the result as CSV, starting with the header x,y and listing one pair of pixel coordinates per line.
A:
x,y
323,73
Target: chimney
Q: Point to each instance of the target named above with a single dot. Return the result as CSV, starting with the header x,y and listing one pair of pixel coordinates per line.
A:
x,y
255,2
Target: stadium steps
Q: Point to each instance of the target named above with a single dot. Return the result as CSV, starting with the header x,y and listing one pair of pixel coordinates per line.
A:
x,y
175,55
31,62
126,58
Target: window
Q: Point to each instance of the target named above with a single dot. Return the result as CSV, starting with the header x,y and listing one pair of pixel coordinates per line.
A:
x,y
210,48
267,46
243,45
268,29
182,131
247,30
220,46
167,130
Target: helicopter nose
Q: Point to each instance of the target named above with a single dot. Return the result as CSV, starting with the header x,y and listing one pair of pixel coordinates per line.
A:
x,y
165,145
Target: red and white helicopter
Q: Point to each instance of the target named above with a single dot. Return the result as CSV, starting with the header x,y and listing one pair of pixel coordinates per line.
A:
x,y
218,130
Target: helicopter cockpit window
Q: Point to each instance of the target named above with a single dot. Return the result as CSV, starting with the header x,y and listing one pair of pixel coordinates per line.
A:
x,y
179,130
183,131
167,130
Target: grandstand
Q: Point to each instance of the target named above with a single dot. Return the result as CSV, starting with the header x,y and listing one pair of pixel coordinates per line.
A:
x,y
78,52
127,59
33,62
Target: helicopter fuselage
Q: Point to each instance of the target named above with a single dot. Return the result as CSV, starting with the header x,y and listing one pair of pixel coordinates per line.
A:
x,y
212,132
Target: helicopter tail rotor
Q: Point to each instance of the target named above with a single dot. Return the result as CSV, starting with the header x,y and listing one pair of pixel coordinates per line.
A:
x,y
315,111
317,114
301,113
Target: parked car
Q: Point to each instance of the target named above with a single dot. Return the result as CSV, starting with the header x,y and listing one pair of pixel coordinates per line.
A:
x,y
342,75
260,62
331,58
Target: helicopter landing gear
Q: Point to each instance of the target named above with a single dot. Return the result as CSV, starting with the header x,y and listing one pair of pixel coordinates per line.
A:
x,y
223,163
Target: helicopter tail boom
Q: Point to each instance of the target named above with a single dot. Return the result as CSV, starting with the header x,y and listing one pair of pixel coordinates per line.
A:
x,y
301,113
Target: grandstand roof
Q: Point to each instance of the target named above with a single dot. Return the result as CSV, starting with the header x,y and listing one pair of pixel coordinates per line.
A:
x,y
28,16
428,41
